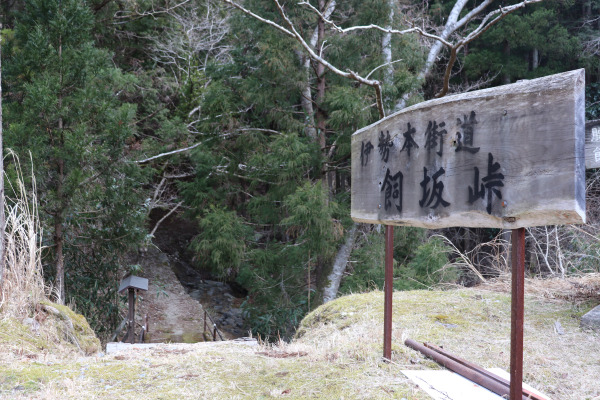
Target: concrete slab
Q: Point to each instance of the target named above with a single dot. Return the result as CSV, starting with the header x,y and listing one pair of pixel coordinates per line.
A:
x,y
447,385
591,319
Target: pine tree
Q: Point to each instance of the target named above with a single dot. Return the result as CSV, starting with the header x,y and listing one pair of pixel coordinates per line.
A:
x,y
64,108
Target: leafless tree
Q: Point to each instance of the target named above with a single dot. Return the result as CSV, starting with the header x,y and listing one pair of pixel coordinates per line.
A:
x,y
195,35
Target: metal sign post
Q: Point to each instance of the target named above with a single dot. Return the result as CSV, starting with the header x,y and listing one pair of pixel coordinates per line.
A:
x,y
388,290
517,313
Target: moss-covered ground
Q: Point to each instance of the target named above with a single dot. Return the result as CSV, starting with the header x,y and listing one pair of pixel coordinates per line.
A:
x,y
336,355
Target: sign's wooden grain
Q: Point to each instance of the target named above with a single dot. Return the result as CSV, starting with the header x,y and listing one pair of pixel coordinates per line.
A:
x,y
592,144
506,157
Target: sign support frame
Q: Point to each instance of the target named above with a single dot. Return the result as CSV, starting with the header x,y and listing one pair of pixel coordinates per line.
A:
x,y
517,306
517,313
388,289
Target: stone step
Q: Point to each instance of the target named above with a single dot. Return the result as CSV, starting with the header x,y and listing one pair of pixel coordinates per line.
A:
x,y
114,347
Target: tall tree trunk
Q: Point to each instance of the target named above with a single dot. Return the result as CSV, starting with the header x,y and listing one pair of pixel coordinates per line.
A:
x,y
328,177
386,50
320,70
59,240
2,215
339,266
307,102
506,54
534,62
306,99
59,236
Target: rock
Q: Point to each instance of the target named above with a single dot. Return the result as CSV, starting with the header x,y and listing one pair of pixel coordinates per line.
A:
x,y
558,328
195,294
32,323
51,310
591,319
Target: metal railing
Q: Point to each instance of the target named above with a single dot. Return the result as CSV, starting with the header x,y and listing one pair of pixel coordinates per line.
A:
x,y
215,331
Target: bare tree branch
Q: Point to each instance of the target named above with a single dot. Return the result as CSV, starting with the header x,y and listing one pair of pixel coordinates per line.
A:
x,y
165,217
372,26
169,153
258,17
126,16
381,66
485,24
292,32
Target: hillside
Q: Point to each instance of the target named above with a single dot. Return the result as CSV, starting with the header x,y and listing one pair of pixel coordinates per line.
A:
x,y
337,352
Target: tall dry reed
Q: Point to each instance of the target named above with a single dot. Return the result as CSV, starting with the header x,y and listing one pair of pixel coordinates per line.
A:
x,y
22,285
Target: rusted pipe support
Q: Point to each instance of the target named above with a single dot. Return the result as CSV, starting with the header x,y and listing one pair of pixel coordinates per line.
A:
x,y
472,375
528,394
388,292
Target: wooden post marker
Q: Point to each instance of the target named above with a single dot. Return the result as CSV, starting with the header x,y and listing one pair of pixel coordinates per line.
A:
x,y
592,144
507,157
131,283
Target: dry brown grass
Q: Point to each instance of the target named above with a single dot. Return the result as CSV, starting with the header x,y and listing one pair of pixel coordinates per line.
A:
x,y
574,289
338,354
31,326
22,286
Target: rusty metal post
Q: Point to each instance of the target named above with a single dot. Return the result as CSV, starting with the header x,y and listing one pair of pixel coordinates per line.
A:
x,y
131,317
517,313
204,321
388,289
215,333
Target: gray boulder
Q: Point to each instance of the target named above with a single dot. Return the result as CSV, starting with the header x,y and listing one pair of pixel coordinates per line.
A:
x,y
591,319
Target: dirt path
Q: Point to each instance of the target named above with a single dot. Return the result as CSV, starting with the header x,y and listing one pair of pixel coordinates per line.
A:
x,y
174,316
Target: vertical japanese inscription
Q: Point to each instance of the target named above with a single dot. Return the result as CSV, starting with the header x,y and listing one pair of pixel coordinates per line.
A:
x,y
385,142
435,194
432,134
490,184
465,139
596,139
409,141
432,185
392,185
365,150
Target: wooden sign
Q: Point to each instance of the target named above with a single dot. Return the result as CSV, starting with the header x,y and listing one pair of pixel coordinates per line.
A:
x,y
505,157
592,144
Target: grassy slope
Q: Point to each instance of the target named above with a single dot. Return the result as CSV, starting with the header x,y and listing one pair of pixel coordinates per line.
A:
x,y
336,355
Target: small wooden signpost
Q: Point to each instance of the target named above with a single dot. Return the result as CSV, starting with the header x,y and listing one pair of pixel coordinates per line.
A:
x,y
507,157
592,144
131,283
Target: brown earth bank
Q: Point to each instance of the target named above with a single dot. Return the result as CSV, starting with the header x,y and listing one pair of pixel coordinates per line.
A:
x,y
176,313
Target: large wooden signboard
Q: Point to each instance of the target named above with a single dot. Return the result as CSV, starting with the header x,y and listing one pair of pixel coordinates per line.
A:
x,y
506,157
592,144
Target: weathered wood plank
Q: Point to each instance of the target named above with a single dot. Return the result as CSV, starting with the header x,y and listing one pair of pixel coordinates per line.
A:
x,y
505,157
592,144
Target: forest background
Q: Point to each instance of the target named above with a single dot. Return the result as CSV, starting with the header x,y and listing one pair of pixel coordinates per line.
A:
x,y
238,118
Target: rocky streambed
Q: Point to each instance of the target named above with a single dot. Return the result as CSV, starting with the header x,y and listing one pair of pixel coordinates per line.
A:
x,y
179,294
219,299
177,299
